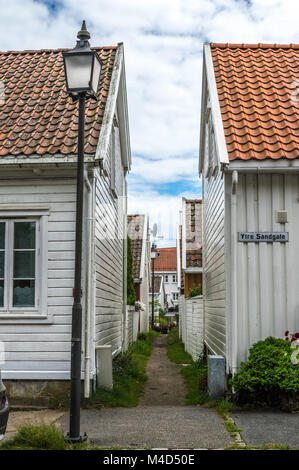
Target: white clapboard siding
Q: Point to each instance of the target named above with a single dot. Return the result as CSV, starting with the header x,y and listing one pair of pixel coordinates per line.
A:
x,y
42,350
214,287
109,250
267,273
191,315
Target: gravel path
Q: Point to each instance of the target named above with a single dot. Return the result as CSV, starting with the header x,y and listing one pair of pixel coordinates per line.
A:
x,y
165,386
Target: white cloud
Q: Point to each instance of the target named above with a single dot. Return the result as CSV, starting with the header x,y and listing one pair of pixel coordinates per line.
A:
x,y
163,49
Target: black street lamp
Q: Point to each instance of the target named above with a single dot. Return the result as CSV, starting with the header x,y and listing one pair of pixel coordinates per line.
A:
x,y
153,256
82,68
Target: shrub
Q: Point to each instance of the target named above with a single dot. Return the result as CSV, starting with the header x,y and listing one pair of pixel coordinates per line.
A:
x,y
269,376
195,291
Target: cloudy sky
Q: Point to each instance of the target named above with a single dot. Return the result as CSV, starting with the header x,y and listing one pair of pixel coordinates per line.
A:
x,y
163,51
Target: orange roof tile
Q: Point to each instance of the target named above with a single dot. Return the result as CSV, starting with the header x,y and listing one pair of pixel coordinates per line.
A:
x,y
254,84
167,261
38,117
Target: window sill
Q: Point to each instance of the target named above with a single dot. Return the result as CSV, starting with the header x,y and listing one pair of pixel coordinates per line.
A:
x,y
24,318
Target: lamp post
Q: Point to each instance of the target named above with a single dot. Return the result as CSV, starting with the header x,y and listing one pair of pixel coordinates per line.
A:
x,y
153,256
82,68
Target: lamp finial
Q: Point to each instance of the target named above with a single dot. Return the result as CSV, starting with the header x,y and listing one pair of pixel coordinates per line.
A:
x,y
83,33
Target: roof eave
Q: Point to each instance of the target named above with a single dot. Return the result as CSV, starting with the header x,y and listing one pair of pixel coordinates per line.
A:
x,y
209,86
117,89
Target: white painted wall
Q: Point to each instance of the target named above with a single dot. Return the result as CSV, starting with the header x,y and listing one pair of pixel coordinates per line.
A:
x,y
170,286
40,349
109,249
267,273
144,298
191,319
214,287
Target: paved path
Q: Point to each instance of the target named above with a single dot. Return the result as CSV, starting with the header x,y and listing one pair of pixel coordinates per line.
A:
x,y
268,427
159,421
165,384
148,427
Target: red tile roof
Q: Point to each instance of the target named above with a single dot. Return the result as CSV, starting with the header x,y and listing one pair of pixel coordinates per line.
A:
x,y
254,83
38,117
167,261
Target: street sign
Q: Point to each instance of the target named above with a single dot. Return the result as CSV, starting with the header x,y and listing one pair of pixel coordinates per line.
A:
x,y
268,237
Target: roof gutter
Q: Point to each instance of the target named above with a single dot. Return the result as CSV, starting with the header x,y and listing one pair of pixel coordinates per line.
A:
x,y
261,169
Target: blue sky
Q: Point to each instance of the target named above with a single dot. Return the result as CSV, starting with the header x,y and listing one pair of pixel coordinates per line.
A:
x,y
163,52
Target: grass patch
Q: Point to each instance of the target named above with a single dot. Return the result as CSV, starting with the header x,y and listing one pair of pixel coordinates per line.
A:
x,y
129,376
223,407
275,447
175,349
43,437
194,374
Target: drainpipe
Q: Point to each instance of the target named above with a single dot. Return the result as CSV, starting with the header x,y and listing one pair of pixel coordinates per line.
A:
x,y
234,298
88,288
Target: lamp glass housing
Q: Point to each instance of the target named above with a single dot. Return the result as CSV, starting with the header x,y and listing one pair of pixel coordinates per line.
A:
x,y
82,71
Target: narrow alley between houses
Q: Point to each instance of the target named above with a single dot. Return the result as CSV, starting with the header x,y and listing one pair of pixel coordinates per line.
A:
x,y
160,421
165,386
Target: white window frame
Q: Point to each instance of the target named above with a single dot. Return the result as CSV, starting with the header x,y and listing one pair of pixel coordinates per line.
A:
x,y
174,278
166,278
38,313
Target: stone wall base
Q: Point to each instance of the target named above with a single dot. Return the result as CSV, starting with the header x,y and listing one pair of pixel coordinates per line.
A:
x,y
49,393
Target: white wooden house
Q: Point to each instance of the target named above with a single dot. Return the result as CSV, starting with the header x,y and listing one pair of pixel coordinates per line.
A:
x,y
138,231
159,294
166,265
38,149
249,164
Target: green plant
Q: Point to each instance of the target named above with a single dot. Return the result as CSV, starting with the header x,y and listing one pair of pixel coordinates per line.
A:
x,y
193,375
141,336
131,296
42,437
195,291
129,376
269,376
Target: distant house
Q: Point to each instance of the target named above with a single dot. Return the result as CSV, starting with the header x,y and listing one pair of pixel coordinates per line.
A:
x,y
249,162
138,231
38,148
159,293
189,246
166,265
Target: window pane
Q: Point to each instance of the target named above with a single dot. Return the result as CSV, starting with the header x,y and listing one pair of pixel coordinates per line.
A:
x,y
24,264
1,293
23,293
1,264
2,235
24,235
